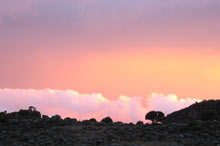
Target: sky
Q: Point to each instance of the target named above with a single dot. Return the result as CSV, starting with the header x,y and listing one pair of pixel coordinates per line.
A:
x,y
112,48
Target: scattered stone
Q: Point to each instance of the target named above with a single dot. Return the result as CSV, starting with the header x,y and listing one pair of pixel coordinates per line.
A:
x,y
24,129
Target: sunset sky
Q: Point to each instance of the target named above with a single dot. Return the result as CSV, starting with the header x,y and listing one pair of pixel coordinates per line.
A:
x,y
111,48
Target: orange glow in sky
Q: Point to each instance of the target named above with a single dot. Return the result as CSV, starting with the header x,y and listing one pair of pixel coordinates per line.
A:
x,y
105,50
132,73
114,48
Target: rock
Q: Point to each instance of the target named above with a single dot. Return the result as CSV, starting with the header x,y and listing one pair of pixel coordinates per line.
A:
x,y
56,131
25,138
114,144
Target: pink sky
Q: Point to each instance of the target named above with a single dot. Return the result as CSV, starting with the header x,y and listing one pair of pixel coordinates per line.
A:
x,y
117,47
185,73
69,103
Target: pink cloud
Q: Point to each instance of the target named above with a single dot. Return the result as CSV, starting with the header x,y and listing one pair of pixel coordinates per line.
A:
x,y
169,103
85,106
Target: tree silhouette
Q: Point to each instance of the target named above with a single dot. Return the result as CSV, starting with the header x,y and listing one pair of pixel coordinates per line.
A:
x,y
155,116
32,108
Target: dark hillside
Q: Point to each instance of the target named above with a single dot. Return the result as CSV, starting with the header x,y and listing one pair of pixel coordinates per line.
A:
x,y
204,110
30,128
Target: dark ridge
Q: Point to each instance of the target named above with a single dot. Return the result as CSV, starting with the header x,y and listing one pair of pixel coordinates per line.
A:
x,y
205,110
30,128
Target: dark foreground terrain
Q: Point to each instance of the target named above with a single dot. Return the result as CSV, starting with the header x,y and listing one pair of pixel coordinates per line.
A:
x,y
72,133
29,128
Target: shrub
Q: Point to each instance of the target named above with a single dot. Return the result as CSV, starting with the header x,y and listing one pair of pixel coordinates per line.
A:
x,y
93,120
140,123
45,117
29,114
32,108
107,120
155,116
70,120
56,118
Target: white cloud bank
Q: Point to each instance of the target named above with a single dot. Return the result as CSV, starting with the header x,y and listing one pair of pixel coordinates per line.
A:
x,y
85,106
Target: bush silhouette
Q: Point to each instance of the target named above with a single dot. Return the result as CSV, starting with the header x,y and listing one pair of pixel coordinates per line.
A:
x,y
107,120
140,123
32,108
30,113
155,116
93,120
56,118
45,117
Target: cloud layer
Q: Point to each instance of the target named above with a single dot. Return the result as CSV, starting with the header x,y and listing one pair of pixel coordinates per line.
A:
x,y
85,106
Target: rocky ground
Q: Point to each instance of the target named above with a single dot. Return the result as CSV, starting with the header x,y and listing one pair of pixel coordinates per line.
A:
x,y
54,131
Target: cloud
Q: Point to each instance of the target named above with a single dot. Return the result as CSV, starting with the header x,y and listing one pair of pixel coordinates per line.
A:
x,y
169,103
84,106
